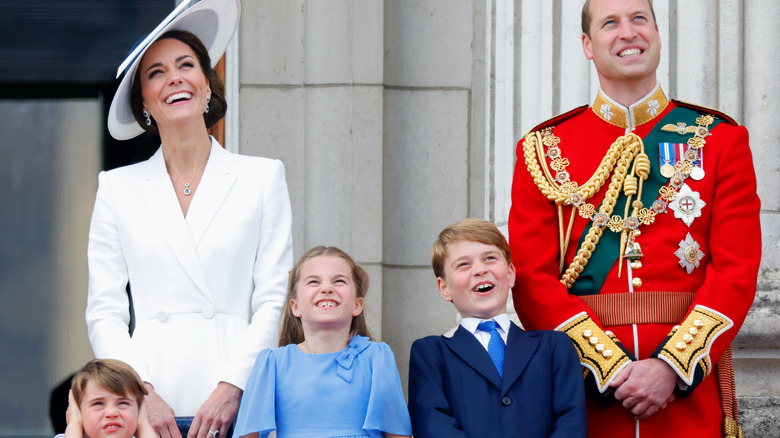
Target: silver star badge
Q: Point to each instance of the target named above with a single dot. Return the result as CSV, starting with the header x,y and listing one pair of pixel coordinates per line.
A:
x,y
687,205
689,254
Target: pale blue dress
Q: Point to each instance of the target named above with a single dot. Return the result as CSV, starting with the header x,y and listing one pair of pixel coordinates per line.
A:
x,y
355,392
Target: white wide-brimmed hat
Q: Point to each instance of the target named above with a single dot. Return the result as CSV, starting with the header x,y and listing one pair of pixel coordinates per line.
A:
x,y
213,21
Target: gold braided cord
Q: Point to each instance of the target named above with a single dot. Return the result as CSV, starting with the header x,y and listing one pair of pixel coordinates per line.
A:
x,y
632,145
568,237
725,373
534,154
620,156
533,142
561,238
732,429
626,152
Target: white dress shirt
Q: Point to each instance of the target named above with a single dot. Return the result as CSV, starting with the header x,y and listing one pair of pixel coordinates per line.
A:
x,y
471,324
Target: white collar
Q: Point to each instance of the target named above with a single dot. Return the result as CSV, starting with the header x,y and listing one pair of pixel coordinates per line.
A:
x,y
471,324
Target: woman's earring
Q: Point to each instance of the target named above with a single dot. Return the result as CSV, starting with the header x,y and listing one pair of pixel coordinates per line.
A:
x,y
148,119
208,100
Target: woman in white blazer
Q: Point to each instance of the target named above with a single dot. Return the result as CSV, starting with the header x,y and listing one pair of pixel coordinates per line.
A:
x,y
202,236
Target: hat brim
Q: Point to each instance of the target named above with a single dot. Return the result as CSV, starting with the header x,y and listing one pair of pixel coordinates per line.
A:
x,y
213,21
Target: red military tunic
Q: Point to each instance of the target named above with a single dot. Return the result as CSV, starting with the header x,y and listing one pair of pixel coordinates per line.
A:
x,y
684,300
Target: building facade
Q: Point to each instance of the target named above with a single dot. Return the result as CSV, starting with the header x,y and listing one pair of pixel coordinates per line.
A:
x,y
394,119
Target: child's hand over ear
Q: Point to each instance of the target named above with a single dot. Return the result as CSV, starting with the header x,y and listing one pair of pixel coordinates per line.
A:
x,y
75,427
145,429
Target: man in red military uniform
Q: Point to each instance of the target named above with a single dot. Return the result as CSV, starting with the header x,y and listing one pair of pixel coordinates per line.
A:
x,y
635,230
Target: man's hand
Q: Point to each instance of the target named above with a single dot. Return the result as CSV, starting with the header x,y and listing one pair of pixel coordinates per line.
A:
x,y
217,412
161,416
645,387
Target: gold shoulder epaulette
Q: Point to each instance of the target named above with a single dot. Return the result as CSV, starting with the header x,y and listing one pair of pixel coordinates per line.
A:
x,y
559,118
597,349
707,110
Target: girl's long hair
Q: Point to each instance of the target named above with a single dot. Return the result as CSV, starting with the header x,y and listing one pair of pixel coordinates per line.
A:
x,y
292,328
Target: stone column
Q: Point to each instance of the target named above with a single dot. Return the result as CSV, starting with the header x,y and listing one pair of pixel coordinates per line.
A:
x,y
311,95
757,347
428,62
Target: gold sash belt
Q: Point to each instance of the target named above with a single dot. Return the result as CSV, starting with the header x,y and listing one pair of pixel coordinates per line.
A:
x,y
640,307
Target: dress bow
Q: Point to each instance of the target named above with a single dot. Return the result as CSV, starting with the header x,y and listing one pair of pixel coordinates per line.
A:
x,y
346,359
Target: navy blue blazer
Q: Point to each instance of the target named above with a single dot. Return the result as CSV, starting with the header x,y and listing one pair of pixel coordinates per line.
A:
x,y
455,390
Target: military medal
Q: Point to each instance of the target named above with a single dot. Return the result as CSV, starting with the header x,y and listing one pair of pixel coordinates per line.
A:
x,y
689,254
696,158
633,251
687,205
676,162
697,172
666,155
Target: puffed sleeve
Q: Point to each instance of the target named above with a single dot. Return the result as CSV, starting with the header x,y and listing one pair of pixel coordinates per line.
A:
x,y
258,404
108,306
273,261
387,410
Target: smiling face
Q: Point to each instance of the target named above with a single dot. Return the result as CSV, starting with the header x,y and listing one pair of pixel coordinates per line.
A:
x,y
105,414
624,44
174,88
477,279
326,294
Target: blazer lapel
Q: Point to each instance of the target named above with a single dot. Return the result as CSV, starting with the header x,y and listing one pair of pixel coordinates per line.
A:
x,y
164,208
212,191
520,347
468,348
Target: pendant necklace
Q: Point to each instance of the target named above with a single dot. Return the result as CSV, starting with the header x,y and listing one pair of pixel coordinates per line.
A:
x,y
187,191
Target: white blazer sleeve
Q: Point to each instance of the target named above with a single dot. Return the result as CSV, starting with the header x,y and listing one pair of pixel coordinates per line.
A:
x,y
272,265
108,307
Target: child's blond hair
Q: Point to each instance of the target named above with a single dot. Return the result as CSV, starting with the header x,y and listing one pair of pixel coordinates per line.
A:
x,y
475,230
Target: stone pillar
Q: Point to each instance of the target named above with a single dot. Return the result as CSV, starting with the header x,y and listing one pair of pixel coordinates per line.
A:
x,y
311,95
757,347
428,62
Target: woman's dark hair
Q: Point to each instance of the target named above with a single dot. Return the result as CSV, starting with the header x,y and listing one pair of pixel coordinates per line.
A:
x,y
217,105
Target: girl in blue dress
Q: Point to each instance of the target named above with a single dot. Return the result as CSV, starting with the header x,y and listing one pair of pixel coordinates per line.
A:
x,y
327,378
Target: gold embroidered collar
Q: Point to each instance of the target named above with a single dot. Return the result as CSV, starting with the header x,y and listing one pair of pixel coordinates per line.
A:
x,y
641,112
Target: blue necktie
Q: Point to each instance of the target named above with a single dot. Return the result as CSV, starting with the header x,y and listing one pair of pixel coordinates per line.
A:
x,y
496,345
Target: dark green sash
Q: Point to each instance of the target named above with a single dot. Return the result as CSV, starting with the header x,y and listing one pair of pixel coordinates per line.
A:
x,y
608,250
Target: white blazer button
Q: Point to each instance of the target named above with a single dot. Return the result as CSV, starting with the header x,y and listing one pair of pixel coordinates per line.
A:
x,y
162,316
208,312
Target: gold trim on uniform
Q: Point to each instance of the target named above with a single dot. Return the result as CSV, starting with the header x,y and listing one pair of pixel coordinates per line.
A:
x,y
637,114
680,128
691,341
597,349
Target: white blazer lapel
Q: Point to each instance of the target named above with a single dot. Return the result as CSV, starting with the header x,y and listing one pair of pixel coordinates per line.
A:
x,y
212,191
164,208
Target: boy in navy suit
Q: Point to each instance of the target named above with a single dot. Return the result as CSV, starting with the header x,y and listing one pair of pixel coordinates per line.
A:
x,y
490,378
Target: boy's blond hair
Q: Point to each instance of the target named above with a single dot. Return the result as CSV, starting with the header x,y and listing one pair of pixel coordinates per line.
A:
x,y
475,230
111,374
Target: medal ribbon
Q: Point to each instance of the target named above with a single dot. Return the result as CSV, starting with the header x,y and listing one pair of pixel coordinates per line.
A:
x,y
683,148
607,252
667,155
